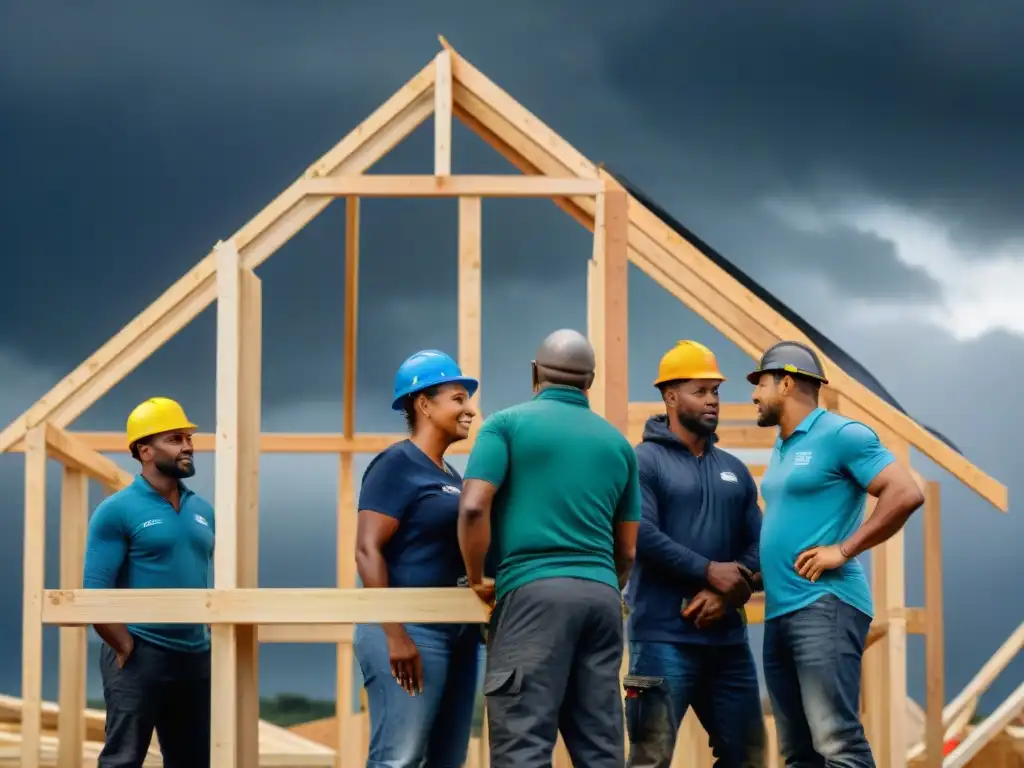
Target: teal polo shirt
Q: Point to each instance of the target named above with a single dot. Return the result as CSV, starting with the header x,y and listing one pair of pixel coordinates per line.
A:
x,y
136,540
815,492
566,477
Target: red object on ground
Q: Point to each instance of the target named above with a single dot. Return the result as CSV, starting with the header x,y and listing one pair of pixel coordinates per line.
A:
x,y
949,746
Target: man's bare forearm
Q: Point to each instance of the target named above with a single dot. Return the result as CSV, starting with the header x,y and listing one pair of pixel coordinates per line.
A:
x,y
892,511
474,540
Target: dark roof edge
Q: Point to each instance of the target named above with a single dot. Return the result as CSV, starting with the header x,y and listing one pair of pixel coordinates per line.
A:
x,y
832,350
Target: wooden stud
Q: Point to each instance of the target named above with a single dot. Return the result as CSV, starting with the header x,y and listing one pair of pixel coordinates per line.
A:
x,y
443,114
34,568
74,524
608,308
348,750
470,296
76,454
935,694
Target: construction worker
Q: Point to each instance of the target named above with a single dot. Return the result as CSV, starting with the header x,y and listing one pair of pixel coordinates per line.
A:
x,y
818,603
420,679
696,565
562,484
155,533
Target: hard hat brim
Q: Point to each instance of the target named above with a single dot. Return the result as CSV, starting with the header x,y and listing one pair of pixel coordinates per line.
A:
x,y
468,382
755,376
712,375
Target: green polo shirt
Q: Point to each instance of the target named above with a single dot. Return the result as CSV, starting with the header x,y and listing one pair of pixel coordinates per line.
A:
x,y
565,477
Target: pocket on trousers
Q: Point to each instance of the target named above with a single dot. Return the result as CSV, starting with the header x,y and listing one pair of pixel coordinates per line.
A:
x,y
649,721
503,682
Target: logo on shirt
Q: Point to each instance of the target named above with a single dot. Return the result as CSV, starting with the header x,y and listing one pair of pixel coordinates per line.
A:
x,y
202,520
729,477
147,524
451,489
802,458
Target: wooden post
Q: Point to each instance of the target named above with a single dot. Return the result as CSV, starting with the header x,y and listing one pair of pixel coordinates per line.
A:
x,y
350,743
608,306
935,694
470,296
34,566
443,114
74,524
234,723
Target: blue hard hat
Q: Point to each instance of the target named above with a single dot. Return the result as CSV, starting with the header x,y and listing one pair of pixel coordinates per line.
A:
x,y
426,369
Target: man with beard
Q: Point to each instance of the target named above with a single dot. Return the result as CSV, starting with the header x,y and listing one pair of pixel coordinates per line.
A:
x,y
566,498
696,565
818,606
154,534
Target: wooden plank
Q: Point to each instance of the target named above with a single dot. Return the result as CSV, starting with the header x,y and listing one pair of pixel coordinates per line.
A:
x,y
508,185
348,750
608,308
934,634
74,524
262,606
75,454
257,241
470,296
34,570
224,720
987,729
443,114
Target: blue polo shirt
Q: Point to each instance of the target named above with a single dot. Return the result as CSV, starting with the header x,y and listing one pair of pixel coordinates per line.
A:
x,y
136,540
404,483
815,491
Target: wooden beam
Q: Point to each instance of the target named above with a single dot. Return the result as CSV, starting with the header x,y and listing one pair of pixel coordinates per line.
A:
x,y
76,454
348,749
747,412
257,241
934,634
74,523
262,606
234,663
608,308
987,729
33,584
470,297
443,114
508,185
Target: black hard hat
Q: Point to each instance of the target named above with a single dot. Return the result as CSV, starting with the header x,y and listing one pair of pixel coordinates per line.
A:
x,y
789,357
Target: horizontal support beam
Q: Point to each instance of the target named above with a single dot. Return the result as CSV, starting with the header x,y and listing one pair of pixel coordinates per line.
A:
x,y
75,607
729,437
508,185
74,453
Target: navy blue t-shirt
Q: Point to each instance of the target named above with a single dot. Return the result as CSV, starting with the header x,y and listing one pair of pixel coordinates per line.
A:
x,y
402,482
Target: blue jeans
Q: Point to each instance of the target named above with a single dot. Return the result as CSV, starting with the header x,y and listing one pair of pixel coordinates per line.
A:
x,y
430,729
812,665
718,681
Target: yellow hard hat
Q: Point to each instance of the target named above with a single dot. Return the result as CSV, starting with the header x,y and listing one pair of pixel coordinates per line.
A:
x,y
688,360
156,415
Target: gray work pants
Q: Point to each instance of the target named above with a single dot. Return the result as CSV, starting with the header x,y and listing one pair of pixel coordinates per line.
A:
x,y
553,661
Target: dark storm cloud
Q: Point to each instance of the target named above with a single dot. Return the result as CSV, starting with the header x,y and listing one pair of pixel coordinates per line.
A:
x,y
915,102
134,139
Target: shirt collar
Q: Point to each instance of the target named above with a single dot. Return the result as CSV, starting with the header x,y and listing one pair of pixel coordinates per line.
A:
x,y
142,484
805,425
563,394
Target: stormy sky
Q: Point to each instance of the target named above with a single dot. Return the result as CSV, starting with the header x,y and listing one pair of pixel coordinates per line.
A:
x,y
861,161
